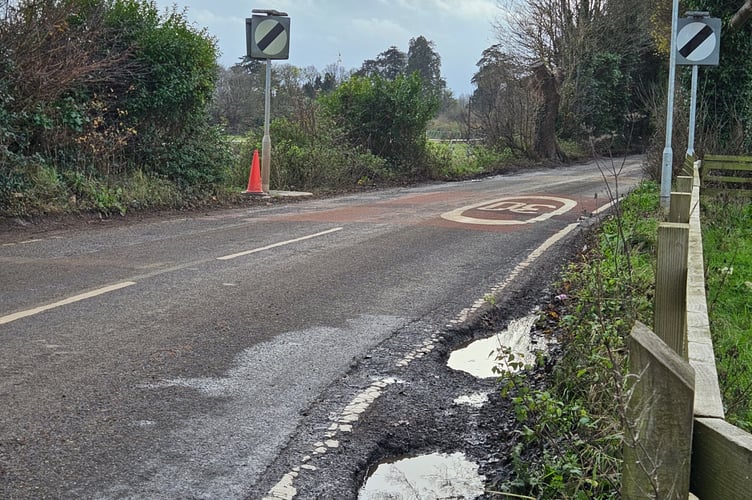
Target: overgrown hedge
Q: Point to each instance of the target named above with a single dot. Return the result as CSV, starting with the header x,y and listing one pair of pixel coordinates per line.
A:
x,y
95,92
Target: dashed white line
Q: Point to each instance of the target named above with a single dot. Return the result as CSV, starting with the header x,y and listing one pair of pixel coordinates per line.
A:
x,y
285,489
280,244
83,296
70,300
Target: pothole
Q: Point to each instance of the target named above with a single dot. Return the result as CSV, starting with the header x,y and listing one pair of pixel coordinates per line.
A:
x,y
437,475
485,358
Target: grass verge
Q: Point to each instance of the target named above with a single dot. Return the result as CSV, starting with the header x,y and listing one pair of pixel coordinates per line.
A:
x,y
727,245
571,440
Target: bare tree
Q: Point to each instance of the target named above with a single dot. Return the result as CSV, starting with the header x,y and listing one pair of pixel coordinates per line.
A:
x,y
569,45
503,102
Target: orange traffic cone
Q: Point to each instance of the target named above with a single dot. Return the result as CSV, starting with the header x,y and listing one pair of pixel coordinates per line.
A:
x,y
254,180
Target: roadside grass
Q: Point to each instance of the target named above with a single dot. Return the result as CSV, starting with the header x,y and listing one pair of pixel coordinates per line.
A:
x,y
572,424
317,163
444,129
460,160
571,440
727,245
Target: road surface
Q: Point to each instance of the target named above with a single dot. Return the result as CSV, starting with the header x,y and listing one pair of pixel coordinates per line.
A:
x,y
177,358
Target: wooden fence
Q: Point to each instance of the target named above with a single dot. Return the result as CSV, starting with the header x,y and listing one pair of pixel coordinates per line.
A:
x,y
729,173
677,443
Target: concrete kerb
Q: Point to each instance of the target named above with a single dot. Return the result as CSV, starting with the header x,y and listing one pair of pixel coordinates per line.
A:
x,y
282,195
290,194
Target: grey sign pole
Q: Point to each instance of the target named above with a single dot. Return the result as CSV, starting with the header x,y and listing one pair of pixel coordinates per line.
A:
x,y
692,114
267,38
668,152
266,142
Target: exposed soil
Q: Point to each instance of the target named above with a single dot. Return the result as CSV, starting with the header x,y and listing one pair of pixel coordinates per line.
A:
x,y
417,414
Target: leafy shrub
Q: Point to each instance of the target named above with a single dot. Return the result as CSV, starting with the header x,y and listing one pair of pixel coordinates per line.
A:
x,y
310,153
95,90
387,117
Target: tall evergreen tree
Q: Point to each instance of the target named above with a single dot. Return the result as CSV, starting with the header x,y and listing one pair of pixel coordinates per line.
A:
x,y
423,59
388,65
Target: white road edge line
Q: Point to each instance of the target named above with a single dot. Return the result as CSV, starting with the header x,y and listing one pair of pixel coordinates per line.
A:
x,y
605,207
70,300
522,266
280,244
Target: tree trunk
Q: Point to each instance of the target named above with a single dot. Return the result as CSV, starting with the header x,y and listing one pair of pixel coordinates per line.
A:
x,y
546,88
741,16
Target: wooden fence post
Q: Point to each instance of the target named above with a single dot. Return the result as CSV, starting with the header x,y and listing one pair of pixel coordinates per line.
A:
x,y
688,166
671,286
679,207
658,437
721,461
684,183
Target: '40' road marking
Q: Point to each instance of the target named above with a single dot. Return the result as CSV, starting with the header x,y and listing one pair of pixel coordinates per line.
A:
x,y
512,210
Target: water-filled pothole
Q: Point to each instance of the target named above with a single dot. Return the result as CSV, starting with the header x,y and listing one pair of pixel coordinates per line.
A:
x,y
481,357
437,475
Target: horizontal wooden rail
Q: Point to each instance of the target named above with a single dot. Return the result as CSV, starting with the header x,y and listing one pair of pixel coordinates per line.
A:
x,y
728,173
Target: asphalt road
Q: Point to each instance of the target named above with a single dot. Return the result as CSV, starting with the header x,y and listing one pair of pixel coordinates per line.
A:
x,y
176,358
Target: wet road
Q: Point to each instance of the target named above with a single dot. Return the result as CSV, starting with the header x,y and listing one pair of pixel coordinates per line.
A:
x,y
174,358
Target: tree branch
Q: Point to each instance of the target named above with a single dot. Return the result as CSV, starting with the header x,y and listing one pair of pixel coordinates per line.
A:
x,y
741,16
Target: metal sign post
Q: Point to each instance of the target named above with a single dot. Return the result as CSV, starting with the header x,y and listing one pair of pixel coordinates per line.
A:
x,y
267,37
668,152
692,114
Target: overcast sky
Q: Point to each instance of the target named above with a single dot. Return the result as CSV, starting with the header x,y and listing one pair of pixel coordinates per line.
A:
x,y
325,31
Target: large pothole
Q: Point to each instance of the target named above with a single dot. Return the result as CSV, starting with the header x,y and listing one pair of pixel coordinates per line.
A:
x,y
438,475
508,351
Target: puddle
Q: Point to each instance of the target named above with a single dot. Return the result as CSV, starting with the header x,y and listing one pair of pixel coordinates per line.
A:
x,y
480,358
428,476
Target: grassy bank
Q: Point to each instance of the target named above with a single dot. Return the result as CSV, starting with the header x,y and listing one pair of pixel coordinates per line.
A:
x,y
727,243
572,439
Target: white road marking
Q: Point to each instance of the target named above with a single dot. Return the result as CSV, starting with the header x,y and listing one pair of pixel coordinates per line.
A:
x,y
285,489
511,204
70,300
280,244
77,298
605,207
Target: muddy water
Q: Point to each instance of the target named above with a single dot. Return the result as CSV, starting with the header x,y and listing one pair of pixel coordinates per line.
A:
x,y
427,476
482,357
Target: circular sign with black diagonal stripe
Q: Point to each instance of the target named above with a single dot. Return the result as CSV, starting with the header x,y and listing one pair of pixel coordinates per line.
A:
x,y
698,41
268,37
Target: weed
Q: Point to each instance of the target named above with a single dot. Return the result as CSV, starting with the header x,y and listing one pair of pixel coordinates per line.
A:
x,y
571,430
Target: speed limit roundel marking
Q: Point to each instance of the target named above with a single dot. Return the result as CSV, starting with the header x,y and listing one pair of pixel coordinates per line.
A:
x,y
512,210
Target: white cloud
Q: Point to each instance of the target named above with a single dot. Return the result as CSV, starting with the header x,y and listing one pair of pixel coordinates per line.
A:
x,y
468,9
379,29
205,17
